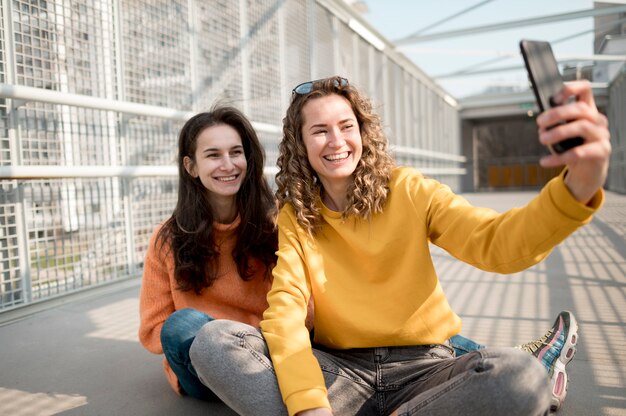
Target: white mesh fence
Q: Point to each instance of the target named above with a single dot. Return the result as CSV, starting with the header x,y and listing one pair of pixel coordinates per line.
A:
x,y
71,231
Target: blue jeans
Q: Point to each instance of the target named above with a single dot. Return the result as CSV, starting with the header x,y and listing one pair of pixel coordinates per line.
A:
x,y
177,334
180,329
463,345
232,358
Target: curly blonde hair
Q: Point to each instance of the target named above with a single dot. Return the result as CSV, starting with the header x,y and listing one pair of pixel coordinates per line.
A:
x,y
299,184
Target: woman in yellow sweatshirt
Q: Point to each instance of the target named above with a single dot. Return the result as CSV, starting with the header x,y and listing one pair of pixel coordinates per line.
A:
x,y
354,233
346,231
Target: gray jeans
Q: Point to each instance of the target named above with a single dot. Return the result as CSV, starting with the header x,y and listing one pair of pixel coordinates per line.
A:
x,y
232,359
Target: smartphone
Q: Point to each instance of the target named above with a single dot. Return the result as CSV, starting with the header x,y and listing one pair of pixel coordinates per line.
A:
x,y
546,81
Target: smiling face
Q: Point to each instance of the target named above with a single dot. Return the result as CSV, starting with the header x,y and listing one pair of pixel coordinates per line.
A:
x,y
331,135
219,162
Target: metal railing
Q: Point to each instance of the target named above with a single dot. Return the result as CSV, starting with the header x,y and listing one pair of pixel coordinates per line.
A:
x,y
21,95
68,272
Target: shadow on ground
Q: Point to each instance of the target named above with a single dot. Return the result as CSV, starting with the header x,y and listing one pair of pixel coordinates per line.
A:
x,y
83,357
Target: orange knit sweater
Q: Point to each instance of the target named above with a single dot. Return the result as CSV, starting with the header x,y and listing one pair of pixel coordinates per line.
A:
x,y
229,297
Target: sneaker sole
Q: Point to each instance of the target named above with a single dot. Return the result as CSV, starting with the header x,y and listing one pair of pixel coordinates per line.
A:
x,y
559,386
569,348
559,375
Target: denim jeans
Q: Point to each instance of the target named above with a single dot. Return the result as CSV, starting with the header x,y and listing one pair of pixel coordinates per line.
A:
x,y
177,334
232,359
463,345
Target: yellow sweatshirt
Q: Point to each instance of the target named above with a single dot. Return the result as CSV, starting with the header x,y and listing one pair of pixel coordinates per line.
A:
x,y
374,283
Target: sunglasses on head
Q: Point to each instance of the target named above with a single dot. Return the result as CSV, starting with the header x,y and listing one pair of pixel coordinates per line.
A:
x,y
307,87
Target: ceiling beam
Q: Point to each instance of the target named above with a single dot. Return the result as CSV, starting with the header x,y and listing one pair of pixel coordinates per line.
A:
x,y
569,59
603,11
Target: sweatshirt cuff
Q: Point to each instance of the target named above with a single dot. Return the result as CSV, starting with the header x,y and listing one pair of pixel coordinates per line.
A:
x,y
308,399
569,206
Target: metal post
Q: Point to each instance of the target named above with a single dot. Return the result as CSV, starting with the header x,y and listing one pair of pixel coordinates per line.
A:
x,y
312,39
122,187
16,153
336,46
245,55
193,55
282,42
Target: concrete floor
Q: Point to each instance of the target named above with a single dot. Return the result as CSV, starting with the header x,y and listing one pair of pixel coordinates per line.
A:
x,y
82,357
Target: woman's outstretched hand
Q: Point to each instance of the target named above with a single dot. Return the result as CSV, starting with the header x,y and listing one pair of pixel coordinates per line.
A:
x,y
587,164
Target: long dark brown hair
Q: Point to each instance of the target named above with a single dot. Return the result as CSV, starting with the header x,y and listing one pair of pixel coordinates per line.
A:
x,y
190,228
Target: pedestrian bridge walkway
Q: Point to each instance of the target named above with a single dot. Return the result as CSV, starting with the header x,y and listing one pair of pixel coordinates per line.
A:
x,y
82,357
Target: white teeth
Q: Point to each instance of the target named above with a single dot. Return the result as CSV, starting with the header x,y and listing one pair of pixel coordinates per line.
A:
x,y
337,156
226,178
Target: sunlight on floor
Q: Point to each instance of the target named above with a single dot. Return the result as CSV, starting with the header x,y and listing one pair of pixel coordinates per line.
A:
x,y
22,403
614,411
118,321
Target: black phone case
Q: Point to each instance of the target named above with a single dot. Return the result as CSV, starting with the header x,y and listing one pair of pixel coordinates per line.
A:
x,y
546,81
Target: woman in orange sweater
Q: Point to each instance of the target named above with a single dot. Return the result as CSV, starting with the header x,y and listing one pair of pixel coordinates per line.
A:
x,y
212,258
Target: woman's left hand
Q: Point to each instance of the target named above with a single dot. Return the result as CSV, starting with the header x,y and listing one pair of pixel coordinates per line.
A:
x,y
588,163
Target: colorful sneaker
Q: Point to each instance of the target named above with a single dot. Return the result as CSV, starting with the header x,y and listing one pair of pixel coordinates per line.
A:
x,y
555,350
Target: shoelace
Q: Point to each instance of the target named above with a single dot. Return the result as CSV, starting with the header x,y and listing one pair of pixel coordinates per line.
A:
x,y
533,346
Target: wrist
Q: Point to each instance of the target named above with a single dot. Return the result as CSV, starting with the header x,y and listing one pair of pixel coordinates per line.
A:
x,y
582,194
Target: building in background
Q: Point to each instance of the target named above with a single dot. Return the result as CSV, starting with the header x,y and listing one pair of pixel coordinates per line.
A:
x,y
499,134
